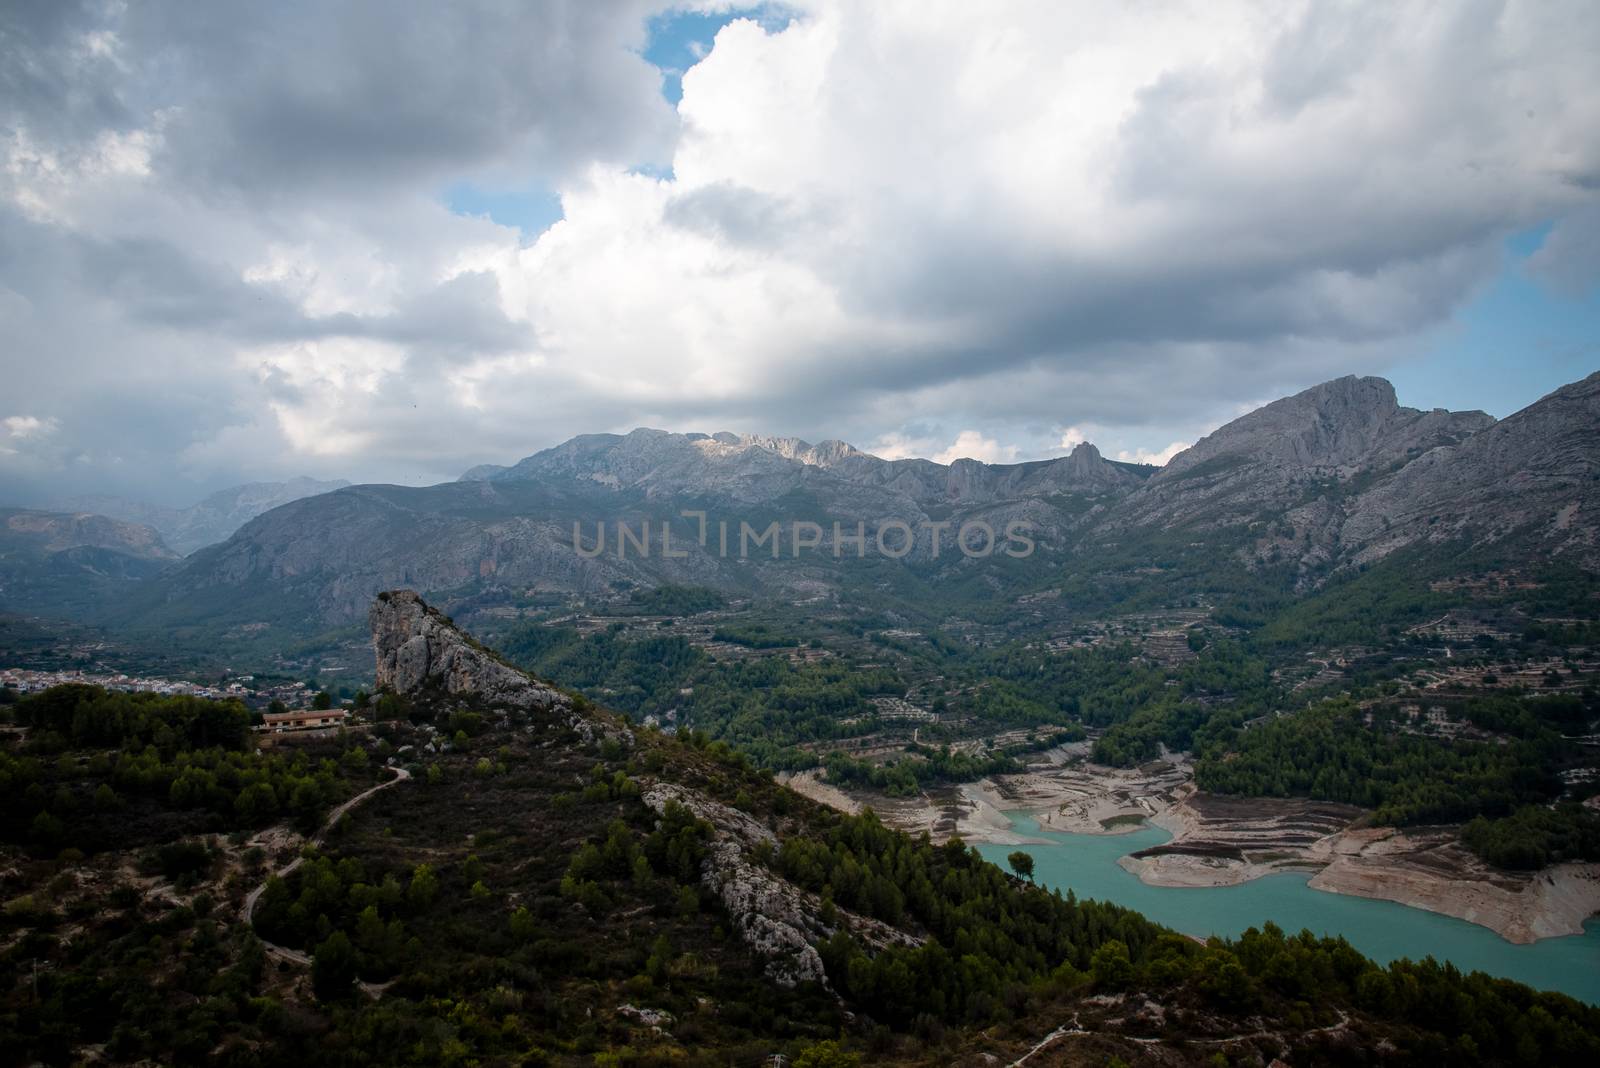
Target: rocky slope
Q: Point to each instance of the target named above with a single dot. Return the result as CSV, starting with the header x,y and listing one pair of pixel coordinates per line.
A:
x,y
319,560
1293,463
422,656
1537,471
1341,475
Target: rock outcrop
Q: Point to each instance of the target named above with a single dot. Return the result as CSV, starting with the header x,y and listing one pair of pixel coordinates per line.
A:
x,y
419,651
766,911
778,921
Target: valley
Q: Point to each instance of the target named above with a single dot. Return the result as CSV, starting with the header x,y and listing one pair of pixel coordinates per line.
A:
x,y
1212,695
603,885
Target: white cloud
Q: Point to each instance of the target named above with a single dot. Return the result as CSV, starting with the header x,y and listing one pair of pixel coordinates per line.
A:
x,y
1158,457
898,446
26,441
971,445
23,427
1072,437
887,222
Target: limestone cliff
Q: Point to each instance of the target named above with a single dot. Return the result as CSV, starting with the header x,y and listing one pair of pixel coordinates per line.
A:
x,y
420,651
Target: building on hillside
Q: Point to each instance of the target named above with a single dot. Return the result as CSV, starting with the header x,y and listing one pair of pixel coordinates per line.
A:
x,y
304,719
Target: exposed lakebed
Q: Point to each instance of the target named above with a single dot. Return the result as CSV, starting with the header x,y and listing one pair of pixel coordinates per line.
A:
x,y
1087,864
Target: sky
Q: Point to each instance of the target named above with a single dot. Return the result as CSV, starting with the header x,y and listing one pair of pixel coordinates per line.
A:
x,y
387,242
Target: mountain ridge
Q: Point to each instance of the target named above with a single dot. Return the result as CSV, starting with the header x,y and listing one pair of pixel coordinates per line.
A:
x,y
1311,480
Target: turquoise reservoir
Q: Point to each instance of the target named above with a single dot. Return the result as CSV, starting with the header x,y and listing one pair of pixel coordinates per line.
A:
x,y
1383,930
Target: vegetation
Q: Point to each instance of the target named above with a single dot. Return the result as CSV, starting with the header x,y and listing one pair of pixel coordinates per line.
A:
x,y
1332,753
904,778
671,600
103,770
507,903
1534,836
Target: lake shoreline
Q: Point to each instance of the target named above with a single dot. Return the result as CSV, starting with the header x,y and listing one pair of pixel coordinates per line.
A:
x,y
1221,842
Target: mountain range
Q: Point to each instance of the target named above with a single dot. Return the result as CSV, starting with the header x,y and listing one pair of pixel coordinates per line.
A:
x,y
1337,477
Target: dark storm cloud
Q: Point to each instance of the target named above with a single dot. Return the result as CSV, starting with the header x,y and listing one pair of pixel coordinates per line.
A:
x,y
50,75
272,98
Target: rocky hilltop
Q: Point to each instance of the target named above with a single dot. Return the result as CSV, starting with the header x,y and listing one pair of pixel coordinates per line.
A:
x,y
1338,428
419,651
61,563
425,658
55,532
1294,459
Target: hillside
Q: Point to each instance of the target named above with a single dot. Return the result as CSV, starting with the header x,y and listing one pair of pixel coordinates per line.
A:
x,y
545,883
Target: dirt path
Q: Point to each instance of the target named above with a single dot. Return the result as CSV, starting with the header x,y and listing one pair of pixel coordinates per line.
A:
x,y
1068,1030
248,911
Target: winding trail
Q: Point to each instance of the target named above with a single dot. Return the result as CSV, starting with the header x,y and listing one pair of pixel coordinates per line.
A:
x,y
1072,1028
1061,1032
248,910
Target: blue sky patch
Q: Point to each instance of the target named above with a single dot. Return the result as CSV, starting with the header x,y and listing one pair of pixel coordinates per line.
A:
x,y
1516,341
680,39
531,211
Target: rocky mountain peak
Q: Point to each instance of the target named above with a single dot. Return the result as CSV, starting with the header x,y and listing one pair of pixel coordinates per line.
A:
x,y
1342,426
1350,394
1085,457
420,652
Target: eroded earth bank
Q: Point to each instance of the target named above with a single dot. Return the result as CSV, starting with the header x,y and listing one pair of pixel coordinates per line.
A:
x,y
1225,841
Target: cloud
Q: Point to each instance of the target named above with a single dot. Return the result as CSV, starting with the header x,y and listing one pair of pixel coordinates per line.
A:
x,y
23,427
1159,457
1071,438
224,251
972,445
1569,259
25,440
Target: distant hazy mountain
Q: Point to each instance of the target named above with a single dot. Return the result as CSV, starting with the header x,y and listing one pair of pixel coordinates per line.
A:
x,y
24,529
1332,477
59,562
212,520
